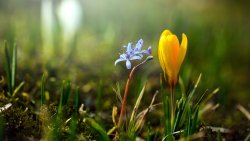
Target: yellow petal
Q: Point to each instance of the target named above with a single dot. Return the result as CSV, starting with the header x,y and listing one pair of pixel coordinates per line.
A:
x,y
168,55
160,53
163,37
183,49
171,54
184,41
166,33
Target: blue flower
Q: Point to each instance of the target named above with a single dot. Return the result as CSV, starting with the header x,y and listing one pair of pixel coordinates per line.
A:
x,y
133,53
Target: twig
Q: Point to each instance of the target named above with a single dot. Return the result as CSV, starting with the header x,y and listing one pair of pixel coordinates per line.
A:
x,y
193,137
5,107
244,111
176,132
217,129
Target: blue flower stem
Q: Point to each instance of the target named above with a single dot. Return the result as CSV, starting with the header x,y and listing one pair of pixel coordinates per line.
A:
x,y
125,96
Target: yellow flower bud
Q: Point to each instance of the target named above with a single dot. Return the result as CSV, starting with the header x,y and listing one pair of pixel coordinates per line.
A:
x,y
171,55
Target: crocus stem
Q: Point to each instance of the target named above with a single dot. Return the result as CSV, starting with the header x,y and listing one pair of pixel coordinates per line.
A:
x,y
125,96
172,86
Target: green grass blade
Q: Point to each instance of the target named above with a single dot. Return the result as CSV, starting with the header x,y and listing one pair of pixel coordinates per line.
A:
x,y
61,99
43,90
118,92
155,136
200,99
169,129
164,106
188,123
17,89
148,134
190,96
72,129
209,96
13,68
66,93
2,127
7,64
195,121
183,90
77,99
247,138
179,111
138,101
185,105
99,96
166,112
219,137
57,123
92,123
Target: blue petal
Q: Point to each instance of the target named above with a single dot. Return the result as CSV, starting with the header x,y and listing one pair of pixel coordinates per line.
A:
x,y
123,56
136,58
119,60
139,53
128,64
149,51
139,45
129,48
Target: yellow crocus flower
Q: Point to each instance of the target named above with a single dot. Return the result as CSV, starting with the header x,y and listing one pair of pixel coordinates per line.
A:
x,y
171,55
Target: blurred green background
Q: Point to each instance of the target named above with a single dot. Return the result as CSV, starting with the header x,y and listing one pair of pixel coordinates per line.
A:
x,y
217,31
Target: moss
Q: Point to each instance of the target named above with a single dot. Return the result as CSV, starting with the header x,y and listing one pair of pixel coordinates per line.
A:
x,y
21,123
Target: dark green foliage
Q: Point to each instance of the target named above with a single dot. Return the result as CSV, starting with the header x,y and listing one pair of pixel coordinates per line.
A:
x,y
77,100
10,66
7,66
43,90
91,122
21,123
64,95
148,134
219,138
187,120
2,127
216,49
13,66
99,96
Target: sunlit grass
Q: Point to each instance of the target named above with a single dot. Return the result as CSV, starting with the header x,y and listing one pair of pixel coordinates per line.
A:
x,y
62,120
77,95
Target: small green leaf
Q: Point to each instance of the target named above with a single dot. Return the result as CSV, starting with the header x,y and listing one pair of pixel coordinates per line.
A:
x,y
247,138
195,121
148,134
13,68
7,64
17,89
98,128
138,101
188,123
66,92
219,138
72,128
